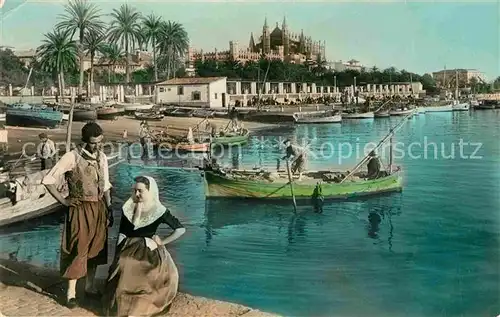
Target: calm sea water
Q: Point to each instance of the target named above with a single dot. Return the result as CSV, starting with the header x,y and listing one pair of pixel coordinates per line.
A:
x,y
432,250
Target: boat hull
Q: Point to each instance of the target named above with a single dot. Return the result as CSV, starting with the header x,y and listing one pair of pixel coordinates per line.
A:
x,y
197,147
447,108
84,115
14,118
365,115
461,107
108,114
130,109
381,114
218,186
232,140
312,120
401,112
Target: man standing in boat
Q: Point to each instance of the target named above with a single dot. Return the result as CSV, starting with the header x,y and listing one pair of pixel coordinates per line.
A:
x,y
299,157
46,151
233,116
84,240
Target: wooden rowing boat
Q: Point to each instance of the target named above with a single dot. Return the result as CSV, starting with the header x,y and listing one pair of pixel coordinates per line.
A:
x,y
25,197
258,185
358,115
232,138
381,114
401,112
193,147
317,117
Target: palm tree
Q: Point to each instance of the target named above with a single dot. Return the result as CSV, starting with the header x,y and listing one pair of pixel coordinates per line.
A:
x,y
58,54
151,30
93,42
125,28
173,42
81,16
112,55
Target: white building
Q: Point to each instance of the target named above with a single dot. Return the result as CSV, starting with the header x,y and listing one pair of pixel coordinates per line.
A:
x,y
353,64
195,91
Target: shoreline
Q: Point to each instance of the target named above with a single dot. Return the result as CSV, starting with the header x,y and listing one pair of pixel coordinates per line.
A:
x,y
113,130
30,290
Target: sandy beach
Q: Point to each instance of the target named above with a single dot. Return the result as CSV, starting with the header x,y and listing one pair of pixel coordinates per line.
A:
x,y
113,130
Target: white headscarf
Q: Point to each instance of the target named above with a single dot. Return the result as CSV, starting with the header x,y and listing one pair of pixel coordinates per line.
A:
x,y
154,210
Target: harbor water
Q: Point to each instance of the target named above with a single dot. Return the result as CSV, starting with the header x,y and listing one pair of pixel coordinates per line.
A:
x,y
432,250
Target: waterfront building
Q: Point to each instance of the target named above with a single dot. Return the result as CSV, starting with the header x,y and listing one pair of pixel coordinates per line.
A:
x,y
447,78
200,91
279,44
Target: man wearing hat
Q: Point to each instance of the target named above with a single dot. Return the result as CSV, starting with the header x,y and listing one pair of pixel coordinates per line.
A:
x,y
373,166
299,157
46,151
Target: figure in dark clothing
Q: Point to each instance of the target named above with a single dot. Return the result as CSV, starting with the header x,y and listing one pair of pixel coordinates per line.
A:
x,y
373,166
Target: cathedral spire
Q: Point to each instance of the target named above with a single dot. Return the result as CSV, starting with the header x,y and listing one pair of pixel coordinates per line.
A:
x,y
251,45
284,26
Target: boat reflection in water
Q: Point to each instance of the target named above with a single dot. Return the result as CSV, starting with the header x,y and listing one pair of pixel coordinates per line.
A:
x,y
272,220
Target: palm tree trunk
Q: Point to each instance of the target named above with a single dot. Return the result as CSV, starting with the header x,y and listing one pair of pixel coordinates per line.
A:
x,y
61,74
127,69
169,60
154,60
59,84
91,92
80,56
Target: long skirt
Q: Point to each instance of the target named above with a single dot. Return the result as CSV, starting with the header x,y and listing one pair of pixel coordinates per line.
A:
x,y
141,281
84,239
299,164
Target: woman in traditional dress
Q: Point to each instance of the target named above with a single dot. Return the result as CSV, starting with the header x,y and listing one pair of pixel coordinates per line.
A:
x,y
143,278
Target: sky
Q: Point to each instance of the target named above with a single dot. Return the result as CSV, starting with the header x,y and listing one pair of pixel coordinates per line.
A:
x,y
421,37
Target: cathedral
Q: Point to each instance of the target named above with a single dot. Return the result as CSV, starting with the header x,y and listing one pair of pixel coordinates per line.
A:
x,y
295,48
278,44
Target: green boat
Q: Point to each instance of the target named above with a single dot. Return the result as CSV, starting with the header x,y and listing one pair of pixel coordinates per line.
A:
x,y
231,138
266,185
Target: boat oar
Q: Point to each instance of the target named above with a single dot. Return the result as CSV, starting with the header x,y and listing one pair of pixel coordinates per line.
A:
x,y
291,185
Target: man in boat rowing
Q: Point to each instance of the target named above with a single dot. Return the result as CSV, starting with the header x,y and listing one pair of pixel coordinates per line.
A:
x,y
233,116
299,157
373,166
84,238
46,151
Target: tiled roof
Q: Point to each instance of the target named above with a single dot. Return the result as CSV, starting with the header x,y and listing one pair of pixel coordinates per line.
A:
x,y
190,81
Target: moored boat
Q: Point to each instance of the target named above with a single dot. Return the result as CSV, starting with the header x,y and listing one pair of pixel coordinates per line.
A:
x,y
25,197
148,116
2,116
464,106
132,108
232,138
317,117
381,114
29,115
443,108
84,115
193,147
179,112
358,115
401,112
109,112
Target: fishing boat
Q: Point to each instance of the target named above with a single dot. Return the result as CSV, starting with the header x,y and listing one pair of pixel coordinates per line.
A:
x,y
84,115
464,106
486,105
109,112
261,184
134,107
193,147
179,112
401,112
33,115
25,197
358,115
148,116
317,117
443,108
381,114
232,138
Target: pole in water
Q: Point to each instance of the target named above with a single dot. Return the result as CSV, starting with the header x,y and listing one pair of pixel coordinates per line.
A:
x,y
291,185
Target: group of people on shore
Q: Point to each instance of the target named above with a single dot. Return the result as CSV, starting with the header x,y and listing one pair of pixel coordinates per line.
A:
x,y
142,279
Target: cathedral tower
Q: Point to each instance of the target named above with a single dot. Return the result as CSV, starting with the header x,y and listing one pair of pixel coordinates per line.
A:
x,y
266,39
251,45
286,38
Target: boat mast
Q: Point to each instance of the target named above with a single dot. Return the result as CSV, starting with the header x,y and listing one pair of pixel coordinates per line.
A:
x,y
389,135
26,85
